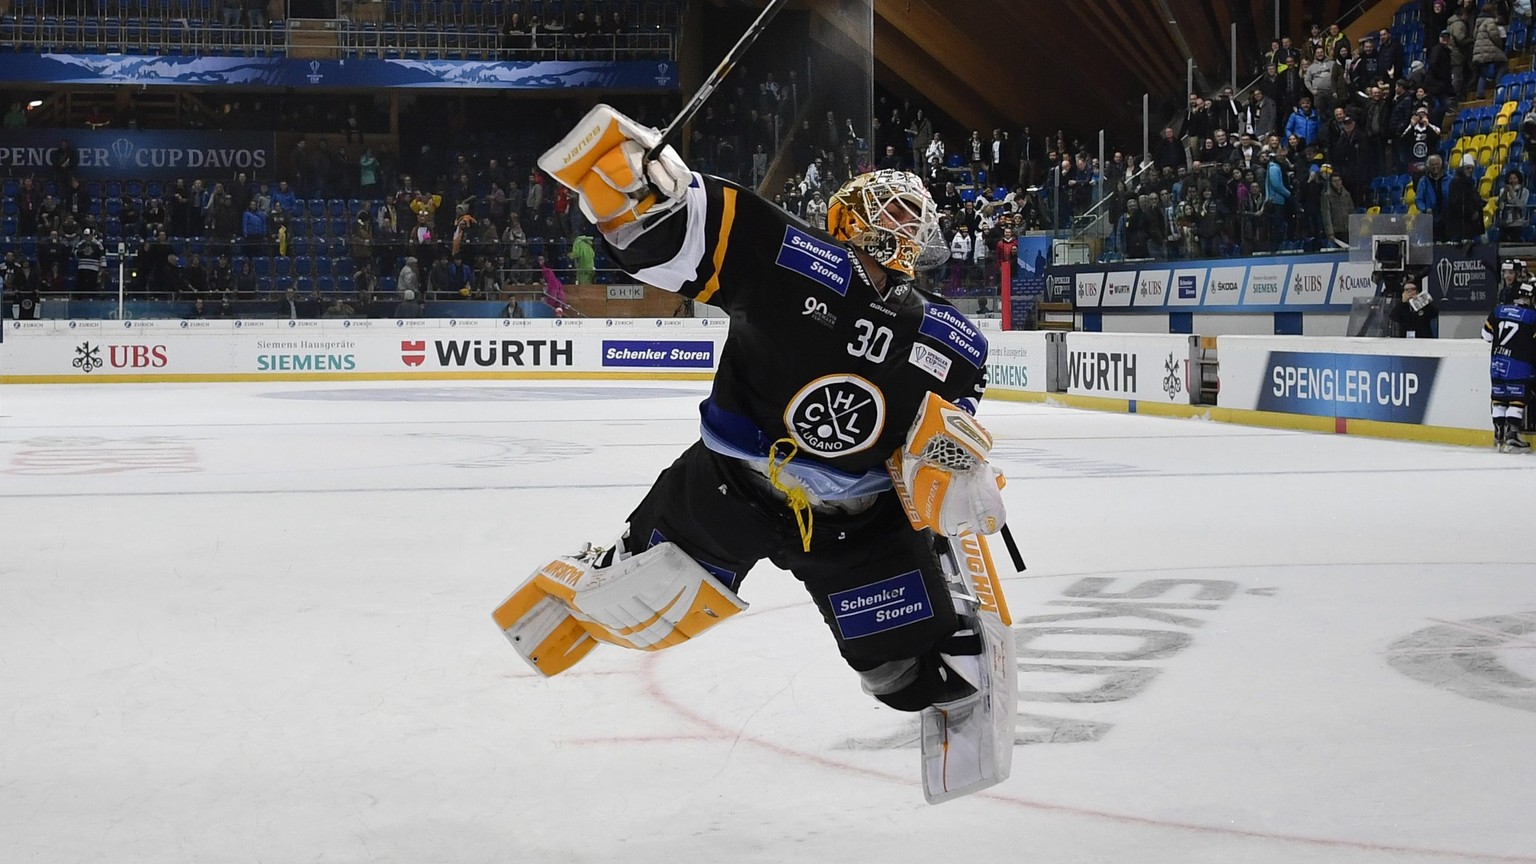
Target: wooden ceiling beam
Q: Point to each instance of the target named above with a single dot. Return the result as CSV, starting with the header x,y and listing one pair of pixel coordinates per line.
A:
x,y
1145,66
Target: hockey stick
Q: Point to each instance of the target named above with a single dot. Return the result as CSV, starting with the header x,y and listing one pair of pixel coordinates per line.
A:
x,y
717,77
1013,550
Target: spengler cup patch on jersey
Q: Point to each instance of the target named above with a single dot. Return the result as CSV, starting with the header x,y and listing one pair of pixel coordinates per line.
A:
x,y
815,259
836,415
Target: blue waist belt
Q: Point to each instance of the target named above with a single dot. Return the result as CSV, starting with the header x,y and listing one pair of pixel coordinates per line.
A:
x,y
736,436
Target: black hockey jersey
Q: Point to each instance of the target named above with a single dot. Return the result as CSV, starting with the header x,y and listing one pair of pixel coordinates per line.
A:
x,y
814,354
1512,331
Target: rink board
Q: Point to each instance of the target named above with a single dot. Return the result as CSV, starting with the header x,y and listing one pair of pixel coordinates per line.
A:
x,y
1418,390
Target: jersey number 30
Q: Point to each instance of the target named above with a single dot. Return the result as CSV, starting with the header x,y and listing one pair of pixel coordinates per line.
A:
x,y
872,342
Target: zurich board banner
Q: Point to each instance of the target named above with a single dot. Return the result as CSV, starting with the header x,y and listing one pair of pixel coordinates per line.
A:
x,y
353,73
137,154
1459,280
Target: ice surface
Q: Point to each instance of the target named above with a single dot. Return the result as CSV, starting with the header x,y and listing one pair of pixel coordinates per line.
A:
x,y
251,623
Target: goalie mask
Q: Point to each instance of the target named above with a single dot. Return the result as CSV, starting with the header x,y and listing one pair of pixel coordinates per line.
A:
x,y
888,214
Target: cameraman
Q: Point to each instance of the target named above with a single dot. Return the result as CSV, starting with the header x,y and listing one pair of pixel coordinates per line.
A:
x,y
1415,314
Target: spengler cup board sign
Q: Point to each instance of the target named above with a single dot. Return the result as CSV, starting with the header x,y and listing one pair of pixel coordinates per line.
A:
x,y
1429,382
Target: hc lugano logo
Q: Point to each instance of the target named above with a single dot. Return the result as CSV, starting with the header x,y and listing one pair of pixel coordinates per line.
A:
x,y
836,415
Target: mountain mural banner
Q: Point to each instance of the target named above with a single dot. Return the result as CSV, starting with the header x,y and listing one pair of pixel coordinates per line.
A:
x,y
352,73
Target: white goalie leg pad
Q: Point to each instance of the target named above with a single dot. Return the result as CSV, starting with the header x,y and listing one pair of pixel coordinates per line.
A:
x,y
542,630
967,745
653,600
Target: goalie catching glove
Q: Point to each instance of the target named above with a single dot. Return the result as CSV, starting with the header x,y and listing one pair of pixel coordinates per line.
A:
x,y
942,473
603,160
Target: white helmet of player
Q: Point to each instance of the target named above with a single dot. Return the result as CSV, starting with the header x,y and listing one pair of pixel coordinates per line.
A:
x,y
1525,295
888,214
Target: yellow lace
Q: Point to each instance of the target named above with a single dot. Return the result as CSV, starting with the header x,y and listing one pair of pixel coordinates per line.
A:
x,y
795,496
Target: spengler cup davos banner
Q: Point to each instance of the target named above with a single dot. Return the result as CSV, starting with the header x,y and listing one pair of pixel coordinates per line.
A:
x,y
108,154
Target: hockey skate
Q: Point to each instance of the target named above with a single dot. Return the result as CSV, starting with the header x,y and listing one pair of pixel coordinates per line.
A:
x,y
1514,442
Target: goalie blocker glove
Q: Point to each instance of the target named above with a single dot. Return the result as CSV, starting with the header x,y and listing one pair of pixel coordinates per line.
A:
x,y
603,160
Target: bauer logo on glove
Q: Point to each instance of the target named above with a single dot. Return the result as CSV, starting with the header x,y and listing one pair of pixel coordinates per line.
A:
x,y
603,160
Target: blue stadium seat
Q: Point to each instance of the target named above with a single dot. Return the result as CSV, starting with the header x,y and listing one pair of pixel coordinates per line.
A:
x,y
302,266
282,266
322,265
325,284
262,266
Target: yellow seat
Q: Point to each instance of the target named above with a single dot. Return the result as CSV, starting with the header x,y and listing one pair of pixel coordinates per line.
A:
x,y
1509,108
1485,156
1500,155
1485,185
1455,158
1507,139
1374,211
1410,196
